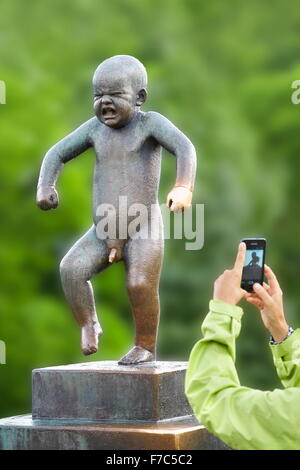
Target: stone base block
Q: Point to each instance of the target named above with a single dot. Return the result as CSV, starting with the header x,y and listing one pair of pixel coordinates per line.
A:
x,y
94,391
105,406
23,433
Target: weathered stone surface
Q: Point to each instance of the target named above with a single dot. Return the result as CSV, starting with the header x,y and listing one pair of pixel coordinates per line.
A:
x,y
98,391
102,405
23,433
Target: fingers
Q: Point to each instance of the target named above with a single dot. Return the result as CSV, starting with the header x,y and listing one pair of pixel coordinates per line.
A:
x,y
47,198
172,204
274,284
179,199
239,262
175,206
53,201
185,206
262,294
253,298
255,301
42,205
48,203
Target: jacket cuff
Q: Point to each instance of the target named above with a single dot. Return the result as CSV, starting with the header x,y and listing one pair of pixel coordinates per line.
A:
x,y
287,347
218,306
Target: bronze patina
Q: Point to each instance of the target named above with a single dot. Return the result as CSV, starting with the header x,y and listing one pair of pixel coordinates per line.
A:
x,y
127,144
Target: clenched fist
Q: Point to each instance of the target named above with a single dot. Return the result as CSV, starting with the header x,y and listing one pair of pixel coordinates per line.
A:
x,y
179,199
47,197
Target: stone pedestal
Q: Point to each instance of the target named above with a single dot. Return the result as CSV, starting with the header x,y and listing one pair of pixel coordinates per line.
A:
x,y
102,405
100,391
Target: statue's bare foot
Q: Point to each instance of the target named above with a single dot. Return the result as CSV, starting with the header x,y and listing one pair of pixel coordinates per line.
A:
x,y
89,338
137,355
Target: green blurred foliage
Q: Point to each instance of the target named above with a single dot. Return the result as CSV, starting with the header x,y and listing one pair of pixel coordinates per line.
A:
x,y
222,72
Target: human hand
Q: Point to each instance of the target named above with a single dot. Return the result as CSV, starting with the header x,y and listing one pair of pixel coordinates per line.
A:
x,y
47,197
268,299
179,199
228,286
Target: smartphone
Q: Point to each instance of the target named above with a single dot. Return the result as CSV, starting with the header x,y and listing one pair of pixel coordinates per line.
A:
x,y
253,270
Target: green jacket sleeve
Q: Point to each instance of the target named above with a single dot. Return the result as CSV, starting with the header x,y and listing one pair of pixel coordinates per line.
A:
x,y
242,417
286,357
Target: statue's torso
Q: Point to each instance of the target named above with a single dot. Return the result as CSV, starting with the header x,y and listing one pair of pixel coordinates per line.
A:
x,y
127,164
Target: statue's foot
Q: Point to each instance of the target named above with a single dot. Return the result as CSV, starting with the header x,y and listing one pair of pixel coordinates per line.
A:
x,y
137,355
89,338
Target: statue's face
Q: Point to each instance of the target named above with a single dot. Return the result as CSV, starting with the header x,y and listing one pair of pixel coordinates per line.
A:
x,y
115,100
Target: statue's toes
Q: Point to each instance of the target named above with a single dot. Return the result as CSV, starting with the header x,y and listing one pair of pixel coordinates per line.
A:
x,y
89,350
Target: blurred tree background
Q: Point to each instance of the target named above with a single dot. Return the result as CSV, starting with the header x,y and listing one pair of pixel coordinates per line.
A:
x,y
222,72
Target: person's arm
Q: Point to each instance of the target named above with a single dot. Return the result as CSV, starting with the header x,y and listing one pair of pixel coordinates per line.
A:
x,y
286,357
175,142
66,149
242,417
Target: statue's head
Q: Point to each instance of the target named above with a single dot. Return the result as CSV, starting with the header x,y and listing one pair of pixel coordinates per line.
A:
x,y
120,88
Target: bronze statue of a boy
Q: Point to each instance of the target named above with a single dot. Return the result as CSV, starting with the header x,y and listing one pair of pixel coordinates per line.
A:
x,y
127,144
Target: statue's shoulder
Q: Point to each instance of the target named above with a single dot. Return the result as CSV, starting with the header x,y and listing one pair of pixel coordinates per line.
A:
x,y
152,118
92,126
93,123
151,115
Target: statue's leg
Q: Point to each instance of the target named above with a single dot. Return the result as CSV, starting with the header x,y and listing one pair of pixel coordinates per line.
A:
x,y
86,258
143,259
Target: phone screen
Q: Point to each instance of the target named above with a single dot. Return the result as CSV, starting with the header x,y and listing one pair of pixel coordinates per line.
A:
x,y
253,270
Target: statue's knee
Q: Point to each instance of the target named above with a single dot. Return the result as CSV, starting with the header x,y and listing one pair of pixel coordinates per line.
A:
x,y
138,286
64,268
71,268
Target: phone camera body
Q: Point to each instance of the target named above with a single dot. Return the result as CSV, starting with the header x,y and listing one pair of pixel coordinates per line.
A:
x,y
253,270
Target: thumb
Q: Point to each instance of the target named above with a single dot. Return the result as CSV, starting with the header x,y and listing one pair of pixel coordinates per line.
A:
x,y
262,293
